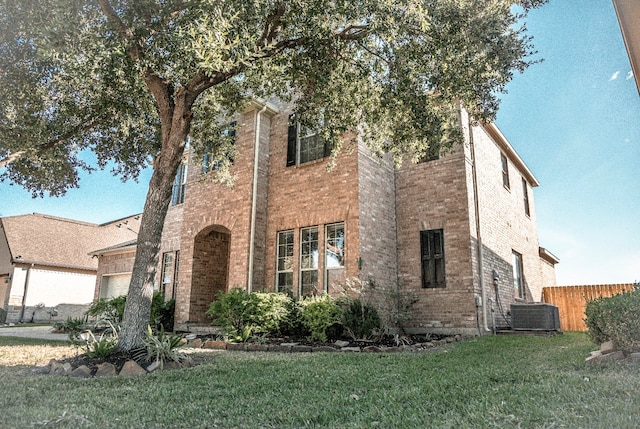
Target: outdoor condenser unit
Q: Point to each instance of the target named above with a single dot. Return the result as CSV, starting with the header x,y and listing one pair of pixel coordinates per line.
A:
x,y
535,316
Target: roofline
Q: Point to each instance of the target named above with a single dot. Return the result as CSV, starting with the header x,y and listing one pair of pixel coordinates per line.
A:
x,y
548,256
628,13
121,219
49,264
502,142
127,246
260,103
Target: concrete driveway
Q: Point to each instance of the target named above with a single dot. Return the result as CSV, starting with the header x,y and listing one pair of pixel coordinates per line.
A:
x,y
41,332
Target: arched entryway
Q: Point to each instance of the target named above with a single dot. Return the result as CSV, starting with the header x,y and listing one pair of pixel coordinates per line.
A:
x,y
211,250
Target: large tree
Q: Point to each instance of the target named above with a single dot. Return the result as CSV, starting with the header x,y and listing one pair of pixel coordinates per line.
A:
x,y
131,80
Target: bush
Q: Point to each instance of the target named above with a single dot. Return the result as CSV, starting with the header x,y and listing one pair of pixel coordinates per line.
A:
x,y
244,314
293,323
163,348
228,310
615,318
360,320
162,312
108,309
319,313
266,311
71,325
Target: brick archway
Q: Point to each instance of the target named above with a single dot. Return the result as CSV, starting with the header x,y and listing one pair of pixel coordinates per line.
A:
x,y
211,250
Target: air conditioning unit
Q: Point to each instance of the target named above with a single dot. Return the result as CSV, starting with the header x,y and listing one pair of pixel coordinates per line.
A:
x,y
535,316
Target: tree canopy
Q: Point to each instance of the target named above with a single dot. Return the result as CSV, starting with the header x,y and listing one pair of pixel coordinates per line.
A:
x,y
130,80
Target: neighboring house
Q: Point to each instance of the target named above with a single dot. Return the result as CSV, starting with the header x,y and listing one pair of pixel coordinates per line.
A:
x,y
46,272
628,12
457,232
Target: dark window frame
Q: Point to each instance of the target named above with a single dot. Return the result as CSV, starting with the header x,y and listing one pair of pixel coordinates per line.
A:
x,y
432,258
525,196
294,143
179,185
504,162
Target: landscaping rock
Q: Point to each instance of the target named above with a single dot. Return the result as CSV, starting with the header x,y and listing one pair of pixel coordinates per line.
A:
x,y
131,368
609,357
196,344
607,347
372,349
215,345
341,343
350,349
257,347
82,371
278,348
106,369
289,344
326,349
154,365
236,346
55,367
635,357
189,337
301,349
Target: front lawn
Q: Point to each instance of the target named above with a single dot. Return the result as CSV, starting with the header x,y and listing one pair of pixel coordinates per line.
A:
x,y
528,382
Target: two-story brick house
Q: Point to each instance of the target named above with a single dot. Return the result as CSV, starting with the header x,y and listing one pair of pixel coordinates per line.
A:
x,y
458,231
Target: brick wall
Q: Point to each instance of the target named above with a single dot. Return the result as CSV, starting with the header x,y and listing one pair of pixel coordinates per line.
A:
x,y
118,263
309,195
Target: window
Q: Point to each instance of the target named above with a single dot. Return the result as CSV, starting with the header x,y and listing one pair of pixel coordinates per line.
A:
x,y
525,195
505,170
170,272
518,277
309,261
177,197
305,144
334,254
213,161
284,268
432,251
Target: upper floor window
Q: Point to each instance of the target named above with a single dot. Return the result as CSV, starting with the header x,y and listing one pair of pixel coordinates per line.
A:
x,y
525,196
305,144
179,185
212,160
432,258
505,170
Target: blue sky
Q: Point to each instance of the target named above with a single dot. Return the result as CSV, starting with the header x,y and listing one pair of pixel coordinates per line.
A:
x,y
574,118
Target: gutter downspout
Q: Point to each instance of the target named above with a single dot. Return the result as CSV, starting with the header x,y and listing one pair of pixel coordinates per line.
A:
x,y
254,196
24,295
483,295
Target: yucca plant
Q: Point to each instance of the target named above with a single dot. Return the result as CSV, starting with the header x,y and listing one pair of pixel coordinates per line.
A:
x,y
163,348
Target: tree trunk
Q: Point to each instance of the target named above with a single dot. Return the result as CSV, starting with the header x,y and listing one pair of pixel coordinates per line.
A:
x,y
138,307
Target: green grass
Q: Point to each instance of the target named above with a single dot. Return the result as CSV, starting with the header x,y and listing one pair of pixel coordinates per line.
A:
x,y
504,382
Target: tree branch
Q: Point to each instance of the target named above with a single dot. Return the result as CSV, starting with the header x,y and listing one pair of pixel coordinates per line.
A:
x,y
124,31
54,142
162,92
272,25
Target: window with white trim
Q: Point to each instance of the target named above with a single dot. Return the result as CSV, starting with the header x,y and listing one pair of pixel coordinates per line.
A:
x,y
334,254
169,276
518,275
309,261
284,262
179,185
505,170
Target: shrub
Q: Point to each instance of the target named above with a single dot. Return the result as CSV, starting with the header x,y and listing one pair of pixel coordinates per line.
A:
x,y
319,313
265,311
108,309
615,318
97,347
228,310
163,348
162,312
293,324
360,320
71,325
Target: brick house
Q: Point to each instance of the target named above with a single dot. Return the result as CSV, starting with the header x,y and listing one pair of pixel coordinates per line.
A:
x,y
457,232
46,271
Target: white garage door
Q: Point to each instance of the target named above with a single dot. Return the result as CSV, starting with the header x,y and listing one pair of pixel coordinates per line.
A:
x,y
113,286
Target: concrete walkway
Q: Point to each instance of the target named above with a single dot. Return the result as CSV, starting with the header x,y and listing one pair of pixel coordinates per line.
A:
x,y
41,332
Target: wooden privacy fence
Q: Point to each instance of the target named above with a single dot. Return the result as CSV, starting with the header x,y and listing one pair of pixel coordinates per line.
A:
x,y
572,300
